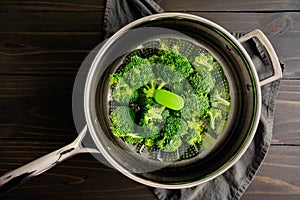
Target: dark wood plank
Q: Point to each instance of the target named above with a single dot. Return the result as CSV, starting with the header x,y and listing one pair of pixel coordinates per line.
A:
x,y
47,43
83,177
52,5
287,114
60,41
279,176
168,5
36,107
233,5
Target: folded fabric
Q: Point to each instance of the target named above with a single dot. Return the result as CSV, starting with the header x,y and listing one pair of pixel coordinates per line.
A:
x,y
233,183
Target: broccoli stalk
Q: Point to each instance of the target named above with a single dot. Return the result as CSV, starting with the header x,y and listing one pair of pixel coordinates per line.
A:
x,y
195,130
218,100
152,87
214,114
155,113
204,60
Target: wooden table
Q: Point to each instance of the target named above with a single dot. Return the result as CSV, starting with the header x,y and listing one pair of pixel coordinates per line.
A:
x,y
42,44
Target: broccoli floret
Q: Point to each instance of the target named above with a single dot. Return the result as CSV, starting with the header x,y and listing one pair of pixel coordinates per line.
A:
x,y
114,78
173,144
193,137
132,138
150,89
214,115
196,124
168,75
202,81
123,120
139,74
169,56
156,113
194,106
204,60
162,142
175,126
123,93
150,131
196,128
219,99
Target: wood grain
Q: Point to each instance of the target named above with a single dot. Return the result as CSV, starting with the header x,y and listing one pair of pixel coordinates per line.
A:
x,y
287,114
84,177
42,46
52,5
278,178
168,5
36,107
233,5
50,43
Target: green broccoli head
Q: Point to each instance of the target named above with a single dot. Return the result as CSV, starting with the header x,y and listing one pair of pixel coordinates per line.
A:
x,y
150,131
175,126
133,138
123,93
173,144
156,113
202,81
122,119
194,106
204,60
195,130
193,137
166,75
139,74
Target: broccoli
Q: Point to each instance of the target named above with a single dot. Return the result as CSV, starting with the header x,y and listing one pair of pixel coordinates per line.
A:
x,y
139,73
123,120
194,106
149,131
173,144
166,75
175,126
156,113
220,99
202,81
214,114
132,138
123,93
162,142
170,102
193,137
170,57
196,128
204,60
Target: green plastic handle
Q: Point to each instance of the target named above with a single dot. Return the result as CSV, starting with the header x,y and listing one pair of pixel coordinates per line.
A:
x,y
169,99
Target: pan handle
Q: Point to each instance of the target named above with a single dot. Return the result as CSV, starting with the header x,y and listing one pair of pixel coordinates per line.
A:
x,y
22,174
261,37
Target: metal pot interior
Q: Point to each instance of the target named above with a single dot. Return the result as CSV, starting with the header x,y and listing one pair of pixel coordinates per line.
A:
x,y
236,135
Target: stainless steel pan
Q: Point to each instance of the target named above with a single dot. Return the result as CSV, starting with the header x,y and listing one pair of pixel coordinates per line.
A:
x,y
245,113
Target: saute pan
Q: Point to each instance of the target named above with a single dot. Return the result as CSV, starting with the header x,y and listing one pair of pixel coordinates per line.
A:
x,y
245,111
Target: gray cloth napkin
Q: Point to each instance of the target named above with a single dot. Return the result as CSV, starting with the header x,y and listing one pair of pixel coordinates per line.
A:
x,y
233,183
